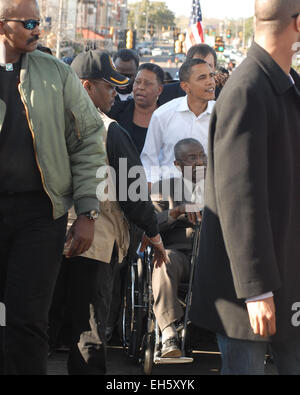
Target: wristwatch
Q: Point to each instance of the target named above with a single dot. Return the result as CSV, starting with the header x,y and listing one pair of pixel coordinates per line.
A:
x,y
92,215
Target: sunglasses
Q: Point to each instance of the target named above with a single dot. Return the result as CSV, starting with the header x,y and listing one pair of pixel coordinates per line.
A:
x,y
29,24
295,15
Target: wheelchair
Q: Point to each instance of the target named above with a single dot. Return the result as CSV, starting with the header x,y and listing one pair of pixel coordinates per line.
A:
x,y
141,337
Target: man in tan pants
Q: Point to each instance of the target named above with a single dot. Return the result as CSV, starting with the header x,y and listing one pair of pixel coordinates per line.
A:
x,y
178,202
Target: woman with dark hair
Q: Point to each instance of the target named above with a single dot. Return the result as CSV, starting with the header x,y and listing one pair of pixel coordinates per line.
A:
x,y
134,114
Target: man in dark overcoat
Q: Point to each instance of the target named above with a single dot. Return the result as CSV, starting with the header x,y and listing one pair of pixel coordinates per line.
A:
x,y
247,280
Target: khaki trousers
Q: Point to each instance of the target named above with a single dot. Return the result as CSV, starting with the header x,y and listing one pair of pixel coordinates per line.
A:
x,y
165,282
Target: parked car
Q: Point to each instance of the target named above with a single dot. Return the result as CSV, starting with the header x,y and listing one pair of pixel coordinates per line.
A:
x,y
157,52
177,57
144,51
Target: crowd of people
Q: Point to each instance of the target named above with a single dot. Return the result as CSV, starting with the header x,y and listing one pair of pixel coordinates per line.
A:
x,y
99,150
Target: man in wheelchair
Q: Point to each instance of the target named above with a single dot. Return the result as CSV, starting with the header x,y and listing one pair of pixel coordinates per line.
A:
x,y
178,203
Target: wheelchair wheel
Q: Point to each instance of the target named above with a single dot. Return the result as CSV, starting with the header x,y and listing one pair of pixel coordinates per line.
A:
x,y
133,312
147,361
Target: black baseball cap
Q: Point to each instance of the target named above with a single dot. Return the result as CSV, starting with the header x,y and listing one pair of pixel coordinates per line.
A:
x,y
96,65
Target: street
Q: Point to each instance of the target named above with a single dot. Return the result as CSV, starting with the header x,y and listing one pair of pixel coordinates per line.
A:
x,y
164,62
207,362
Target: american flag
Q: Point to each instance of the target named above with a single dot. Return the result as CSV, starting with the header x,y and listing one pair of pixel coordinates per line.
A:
x,y
194,33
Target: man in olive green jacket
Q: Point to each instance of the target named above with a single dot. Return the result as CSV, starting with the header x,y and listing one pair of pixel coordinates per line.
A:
x,y
51,145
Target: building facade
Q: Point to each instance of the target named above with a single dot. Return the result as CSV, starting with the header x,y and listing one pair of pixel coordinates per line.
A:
x,y
92,23
102,20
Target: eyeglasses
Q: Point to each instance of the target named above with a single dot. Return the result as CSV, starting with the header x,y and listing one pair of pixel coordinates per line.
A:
x,y
29,24
295,15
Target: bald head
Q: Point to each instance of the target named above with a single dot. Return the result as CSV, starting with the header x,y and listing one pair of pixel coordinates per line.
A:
x,y
5,9
275,15
9,7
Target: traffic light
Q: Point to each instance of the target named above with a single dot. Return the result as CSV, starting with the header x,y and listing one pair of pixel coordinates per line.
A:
x,y
228,34
122,39
175,32
181,37
130,39
219,44
178,45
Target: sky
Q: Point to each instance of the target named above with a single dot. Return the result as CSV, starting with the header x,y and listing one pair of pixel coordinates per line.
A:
x,y
214,8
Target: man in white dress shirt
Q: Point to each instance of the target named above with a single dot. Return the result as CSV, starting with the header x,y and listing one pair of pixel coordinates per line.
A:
x,y
184,117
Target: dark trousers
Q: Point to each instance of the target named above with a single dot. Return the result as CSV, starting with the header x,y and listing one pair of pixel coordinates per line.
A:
x,y
91,284
59,315
31,245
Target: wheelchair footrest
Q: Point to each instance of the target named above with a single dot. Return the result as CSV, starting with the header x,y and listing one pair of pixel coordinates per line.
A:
x,y
163,361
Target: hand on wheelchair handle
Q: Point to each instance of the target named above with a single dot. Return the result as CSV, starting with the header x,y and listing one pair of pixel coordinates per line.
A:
x,y
187,212
193,217
160,256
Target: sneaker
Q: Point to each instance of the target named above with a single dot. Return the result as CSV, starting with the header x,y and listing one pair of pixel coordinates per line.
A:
x,y
171,348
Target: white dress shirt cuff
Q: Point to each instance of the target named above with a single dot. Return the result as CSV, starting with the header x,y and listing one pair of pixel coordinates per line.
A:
x,y
260,297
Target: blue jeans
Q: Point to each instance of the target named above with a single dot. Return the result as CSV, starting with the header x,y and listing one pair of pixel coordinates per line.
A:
x,y
243,357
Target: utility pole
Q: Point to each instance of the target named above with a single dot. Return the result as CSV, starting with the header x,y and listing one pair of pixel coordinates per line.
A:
x,y
147,19
137,18
244,32
43,9
59,28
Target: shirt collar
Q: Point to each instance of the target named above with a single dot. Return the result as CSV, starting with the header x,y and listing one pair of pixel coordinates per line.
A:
x,y
195,191
188,184
183,106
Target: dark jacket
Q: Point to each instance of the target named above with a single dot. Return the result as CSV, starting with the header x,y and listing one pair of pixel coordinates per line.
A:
x,y
122,112
170,92
251,224
120,146
112,227
66,130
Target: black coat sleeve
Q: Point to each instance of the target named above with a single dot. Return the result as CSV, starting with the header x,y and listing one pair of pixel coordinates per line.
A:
x,y
239,138
131,183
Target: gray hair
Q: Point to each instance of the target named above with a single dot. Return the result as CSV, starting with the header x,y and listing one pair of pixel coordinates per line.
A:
x,y
182,144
